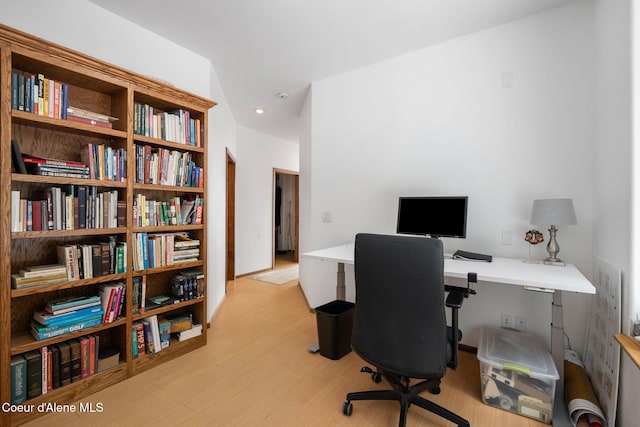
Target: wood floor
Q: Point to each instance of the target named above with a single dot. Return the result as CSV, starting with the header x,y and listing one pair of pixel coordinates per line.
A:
x,y
256,371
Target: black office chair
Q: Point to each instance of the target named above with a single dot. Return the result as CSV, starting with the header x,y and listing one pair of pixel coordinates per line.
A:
x,y
399,321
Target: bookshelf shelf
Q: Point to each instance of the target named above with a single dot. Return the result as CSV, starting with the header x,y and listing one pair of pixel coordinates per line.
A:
x,y
58,180
168,188
168,308
167,144
21,117
111,96
24,342
67,233
17,293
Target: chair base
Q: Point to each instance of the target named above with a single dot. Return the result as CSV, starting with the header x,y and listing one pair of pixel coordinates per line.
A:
x,y
406,395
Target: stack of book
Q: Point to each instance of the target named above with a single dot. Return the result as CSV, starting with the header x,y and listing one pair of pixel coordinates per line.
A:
x,y
66,315
79,115
162,166
54,167
39,275
185,249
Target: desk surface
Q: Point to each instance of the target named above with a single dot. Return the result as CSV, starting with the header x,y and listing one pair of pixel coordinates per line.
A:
x,y
511,271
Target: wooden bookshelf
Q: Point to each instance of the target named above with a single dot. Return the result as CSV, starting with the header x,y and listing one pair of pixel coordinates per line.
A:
x,y
108,90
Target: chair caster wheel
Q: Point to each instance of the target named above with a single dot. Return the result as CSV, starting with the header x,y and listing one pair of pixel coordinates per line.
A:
x,y
435,389
366,369
347,408
376,377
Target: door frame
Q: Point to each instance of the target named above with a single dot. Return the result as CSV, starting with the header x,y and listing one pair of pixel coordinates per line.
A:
x,y
296,213
230,252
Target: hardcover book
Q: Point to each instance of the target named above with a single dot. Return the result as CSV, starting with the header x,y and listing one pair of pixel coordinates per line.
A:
x,y
75,360
18,379
34,373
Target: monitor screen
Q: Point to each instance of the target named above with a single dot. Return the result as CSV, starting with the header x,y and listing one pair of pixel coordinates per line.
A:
x,y
434,216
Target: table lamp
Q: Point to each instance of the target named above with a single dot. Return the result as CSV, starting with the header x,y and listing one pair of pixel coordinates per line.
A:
x,y
553,212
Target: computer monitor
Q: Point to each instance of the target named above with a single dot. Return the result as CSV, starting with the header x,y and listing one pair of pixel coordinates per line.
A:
x,y
433,216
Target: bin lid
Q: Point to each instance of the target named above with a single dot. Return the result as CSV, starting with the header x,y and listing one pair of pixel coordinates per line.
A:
x,y
516,351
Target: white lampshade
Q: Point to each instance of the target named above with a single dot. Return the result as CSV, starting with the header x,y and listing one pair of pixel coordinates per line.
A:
x,y
553,212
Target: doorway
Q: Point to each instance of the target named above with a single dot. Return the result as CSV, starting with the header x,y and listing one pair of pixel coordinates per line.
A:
x,y
286,185
230,268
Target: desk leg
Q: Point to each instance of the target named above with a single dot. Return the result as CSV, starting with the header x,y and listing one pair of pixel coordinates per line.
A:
x,y
560,411
341,289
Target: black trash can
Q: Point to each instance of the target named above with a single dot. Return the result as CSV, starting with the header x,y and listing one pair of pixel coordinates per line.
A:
x,y
335,322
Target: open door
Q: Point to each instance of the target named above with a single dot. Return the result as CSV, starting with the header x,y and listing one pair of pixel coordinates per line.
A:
x,y
286,205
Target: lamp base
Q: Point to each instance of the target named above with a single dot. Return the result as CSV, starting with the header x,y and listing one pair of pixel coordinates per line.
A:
x,y
554,261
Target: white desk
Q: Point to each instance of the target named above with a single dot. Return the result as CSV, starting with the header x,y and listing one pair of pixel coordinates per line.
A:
x,y
533,277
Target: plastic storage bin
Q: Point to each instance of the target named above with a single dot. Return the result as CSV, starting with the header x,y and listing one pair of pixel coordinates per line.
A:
x,y
517,374
335,322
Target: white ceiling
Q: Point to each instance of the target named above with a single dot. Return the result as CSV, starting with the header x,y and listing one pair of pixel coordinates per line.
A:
x,y
261,48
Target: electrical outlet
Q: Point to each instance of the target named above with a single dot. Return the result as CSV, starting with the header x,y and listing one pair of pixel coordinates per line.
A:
x,y
506,320
521,323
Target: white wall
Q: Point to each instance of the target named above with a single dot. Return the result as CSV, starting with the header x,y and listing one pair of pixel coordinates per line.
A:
x,y
89,29
258,155
438,122
615,234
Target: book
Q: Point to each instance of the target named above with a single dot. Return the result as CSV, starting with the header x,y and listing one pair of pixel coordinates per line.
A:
x,y
75,360
18,379
65,363
45,366
72,303
195,331
34,373
47,319
108,358
85,355
16,157
164,328
88,121
155,332
139,331
41,332
18,282
42,270
148,337
55,366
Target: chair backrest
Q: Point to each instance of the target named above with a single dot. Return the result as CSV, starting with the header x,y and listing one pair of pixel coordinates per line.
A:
x,y
399,320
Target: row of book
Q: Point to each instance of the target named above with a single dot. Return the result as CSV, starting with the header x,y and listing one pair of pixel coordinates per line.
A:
x,y
174,211
38,94
162,249
167,167
104,162
71,207
176,126
153,334
86,261
37,372
188,285
35,93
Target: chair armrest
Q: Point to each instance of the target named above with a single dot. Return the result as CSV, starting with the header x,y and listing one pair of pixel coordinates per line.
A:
x,y
455,299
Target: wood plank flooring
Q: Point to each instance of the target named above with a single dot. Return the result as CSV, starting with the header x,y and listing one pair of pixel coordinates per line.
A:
x,y
256,371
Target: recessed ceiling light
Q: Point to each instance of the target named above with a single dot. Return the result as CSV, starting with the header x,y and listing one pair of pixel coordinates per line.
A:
x,y
259,110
